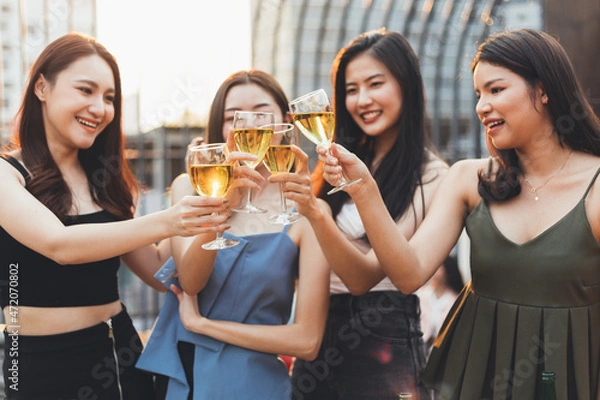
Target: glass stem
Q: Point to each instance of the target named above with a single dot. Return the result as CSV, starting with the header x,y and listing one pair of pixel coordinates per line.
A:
x,y
219,234
249,197
283,205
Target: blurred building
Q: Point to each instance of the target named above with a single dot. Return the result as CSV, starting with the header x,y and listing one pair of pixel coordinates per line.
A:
x,y
297,40
577,23
26,27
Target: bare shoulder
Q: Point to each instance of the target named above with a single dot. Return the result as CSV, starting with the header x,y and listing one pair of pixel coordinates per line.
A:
x,y
466,169
16,154
298,232
463,178
587,167
474,166
435,167
180,187
181,180
8,171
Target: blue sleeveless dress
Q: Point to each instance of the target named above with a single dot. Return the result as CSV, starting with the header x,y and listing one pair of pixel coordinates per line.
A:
x,y
252,283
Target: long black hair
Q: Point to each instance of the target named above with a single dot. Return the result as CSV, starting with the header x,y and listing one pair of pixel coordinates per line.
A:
x,y
539,59
399,173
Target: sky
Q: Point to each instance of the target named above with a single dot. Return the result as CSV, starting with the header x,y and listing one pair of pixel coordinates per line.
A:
x,y
174,53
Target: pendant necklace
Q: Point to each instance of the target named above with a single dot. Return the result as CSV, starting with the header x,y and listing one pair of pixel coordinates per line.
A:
x,y
535,190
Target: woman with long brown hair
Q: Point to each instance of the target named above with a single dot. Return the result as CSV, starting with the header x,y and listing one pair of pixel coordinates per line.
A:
x,y
66,220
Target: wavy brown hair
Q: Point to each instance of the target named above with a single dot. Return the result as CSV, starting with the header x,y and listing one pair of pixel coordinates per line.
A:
x,y
110,180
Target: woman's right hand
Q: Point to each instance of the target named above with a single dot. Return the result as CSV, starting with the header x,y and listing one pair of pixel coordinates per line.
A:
x,y
188,310
297,186
193,215
337,160
244,176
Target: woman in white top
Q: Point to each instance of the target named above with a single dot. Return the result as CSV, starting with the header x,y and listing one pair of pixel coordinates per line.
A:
x,y
372,348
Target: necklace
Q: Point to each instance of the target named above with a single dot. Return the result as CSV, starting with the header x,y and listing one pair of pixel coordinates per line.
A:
x,y
535,190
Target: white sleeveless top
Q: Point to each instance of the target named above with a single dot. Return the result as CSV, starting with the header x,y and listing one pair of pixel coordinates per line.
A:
x,y
349,222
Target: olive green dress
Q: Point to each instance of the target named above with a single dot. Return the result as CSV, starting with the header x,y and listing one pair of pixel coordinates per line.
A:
x,y
529,308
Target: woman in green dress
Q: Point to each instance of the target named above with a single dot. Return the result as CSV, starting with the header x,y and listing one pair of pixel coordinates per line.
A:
x,y
532,212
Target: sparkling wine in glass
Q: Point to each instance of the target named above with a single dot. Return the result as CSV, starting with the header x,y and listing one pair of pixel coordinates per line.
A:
x,y
211,175
252,133
313,115
280,158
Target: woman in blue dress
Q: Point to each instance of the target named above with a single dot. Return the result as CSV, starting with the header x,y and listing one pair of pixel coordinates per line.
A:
x,y
236,303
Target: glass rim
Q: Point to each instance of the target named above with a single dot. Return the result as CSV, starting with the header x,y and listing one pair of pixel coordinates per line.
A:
x,y
311,93
252,112
206,145
286,127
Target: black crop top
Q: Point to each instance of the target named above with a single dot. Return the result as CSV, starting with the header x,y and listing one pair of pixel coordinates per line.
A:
x,y
28,278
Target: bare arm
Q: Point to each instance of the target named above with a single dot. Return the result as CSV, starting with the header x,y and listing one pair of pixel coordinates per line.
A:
x,y
301,338
146,261
410,264
359,270
194,264
33,225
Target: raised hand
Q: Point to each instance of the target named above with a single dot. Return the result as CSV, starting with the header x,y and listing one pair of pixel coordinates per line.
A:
x,y
337,159
244,175
297,186
193,215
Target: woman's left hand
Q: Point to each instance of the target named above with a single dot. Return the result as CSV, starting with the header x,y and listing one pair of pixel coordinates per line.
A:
x,y
297,186
188,310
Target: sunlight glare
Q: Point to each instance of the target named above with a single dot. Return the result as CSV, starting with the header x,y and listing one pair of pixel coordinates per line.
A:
x,y
176,50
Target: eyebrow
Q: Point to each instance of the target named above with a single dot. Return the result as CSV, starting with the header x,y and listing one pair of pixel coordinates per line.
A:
x,y
93,84
377,75
491,82
260,105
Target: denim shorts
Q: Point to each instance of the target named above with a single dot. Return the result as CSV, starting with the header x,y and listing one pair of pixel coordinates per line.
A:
x,y
372,349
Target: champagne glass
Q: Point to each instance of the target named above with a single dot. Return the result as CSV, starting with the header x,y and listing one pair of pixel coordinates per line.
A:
x,y
280,158
252,133
211,175
313,115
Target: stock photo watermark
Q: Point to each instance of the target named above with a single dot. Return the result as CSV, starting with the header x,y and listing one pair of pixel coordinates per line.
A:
x,y
12,327
525,367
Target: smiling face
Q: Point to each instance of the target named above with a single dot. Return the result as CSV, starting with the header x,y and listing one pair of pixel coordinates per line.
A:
x,y
79,104
248,97
373,96
512,112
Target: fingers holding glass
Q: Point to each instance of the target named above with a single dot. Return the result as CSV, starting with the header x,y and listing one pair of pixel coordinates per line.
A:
x,y
280,159
252,134
313,115
211,174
